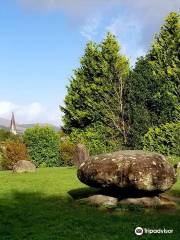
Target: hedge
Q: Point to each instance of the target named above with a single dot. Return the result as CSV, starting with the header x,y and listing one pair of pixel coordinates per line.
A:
x,y
164,139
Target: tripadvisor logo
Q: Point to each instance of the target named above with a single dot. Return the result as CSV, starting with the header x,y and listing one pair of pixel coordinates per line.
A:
x,y
139,231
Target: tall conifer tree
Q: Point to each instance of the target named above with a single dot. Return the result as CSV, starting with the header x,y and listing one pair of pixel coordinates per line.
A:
x,y
95,94
153,88
165,62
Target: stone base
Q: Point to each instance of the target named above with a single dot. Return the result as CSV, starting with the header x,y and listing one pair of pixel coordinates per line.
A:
x,y
146,202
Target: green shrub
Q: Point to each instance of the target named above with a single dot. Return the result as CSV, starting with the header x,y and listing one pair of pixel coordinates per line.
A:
x,y
16,138
97,138
12,152
43,145
4,135
1,160
174,159
67,152
164,139
43,165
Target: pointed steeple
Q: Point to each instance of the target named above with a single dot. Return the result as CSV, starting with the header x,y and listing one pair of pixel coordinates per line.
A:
x,y
13,125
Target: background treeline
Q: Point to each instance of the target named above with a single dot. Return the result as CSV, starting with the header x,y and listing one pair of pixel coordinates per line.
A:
x,y
110,106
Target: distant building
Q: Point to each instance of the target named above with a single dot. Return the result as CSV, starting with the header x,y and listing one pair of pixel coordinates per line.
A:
x,y
13,128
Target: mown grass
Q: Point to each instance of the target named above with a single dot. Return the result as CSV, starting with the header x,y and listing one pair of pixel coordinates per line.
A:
x,y
39,206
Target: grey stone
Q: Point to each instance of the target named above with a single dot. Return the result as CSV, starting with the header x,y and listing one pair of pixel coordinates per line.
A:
x,y
24,166
149,202
100,200
143,201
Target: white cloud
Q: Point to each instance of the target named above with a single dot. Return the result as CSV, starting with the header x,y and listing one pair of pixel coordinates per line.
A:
x,y
133,22
6,107
137,24
90,28
150,14
30,113
129,33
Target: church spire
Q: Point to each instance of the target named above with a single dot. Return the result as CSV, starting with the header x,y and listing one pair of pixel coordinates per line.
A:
x,y
13,125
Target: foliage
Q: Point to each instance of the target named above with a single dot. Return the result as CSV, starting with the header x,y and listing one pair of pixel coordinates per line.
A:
x,y
43,165
139,110
97,138
104,91
67,152
165,61
6,135
164,139
78,109
102,68
152,90
43,145
95,94
115,74
174,159
12,152
16,138
1,158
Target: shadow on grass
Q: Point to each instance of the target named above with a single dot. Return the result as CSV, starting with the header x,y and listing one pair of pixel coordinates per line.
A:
x,y
34,216
30,216
85,192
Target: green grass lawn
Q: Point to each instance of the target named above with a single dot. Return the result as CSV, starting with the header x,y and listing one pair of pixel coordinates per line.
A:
x,y
39,206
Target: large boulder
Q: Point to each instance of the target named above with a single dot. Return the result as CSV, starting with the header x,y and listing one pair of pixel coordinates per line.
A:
x,y
24,166
128,172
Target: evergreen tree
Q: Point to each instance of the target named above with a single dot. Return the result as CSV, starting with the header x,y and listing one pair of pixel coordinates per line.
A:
x,y
153,88
95,95
115,72
78,109
139,107
165,62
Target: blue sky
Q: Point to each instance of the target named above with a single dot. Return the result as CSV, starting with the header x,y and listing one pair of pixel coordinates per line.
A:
x,y
42,41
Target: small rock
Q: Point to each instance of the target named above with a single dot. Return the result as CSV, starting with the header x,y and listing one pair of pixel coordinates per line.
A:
x,y
100,200
150,202
24,166
143,201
